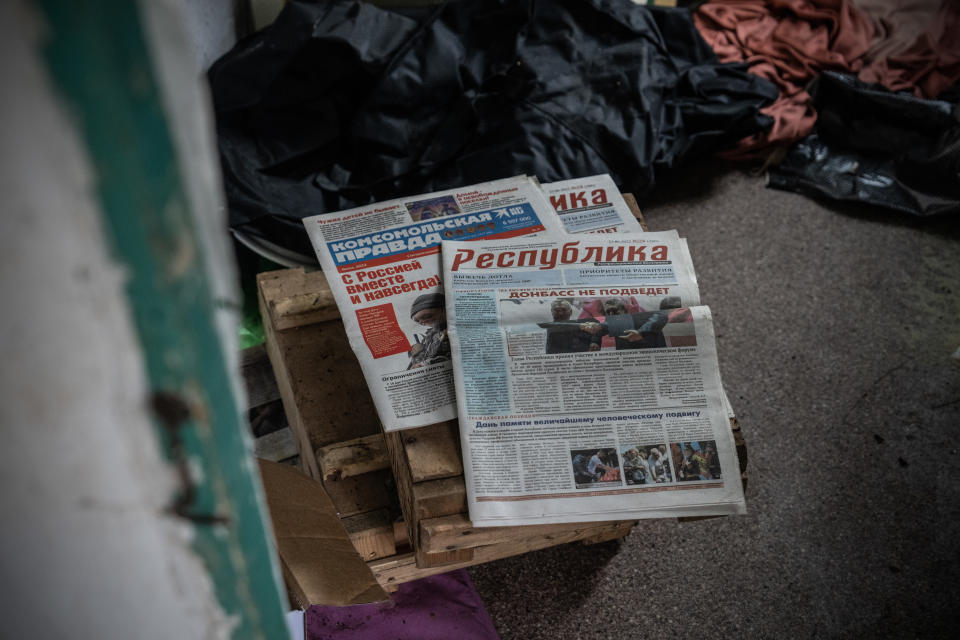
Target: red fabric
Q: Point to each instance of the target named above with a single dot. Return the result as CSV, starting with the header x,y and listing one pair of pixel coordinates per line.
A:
x,y
928,66
790,41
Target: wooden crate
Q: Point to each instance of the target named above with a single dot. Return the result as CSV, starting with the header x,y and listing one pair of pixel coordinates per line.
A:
x,y
370,475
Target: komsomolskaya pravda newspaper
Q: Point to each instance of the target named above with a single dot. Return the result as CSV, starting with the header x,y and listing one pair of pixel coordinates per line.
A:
x,y
586,381
383,265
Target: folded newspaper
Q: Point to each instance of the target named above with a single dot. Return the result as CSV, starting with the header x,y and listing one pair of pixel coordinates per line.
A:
x,y
591,205
587,381
383,265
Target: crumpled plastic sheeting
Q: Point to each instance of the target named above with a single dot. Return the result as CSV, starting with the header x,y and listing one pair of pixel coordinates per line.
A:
x,y
339,104
892,150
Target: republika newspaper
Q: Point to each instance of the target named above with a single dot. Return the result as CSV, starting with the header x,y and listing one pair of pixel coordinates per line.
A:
x,y
587,381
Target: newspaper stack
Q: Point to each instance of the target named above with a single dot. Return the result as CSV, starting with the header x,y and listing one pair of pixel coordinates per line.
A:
x,y
569,343
383,265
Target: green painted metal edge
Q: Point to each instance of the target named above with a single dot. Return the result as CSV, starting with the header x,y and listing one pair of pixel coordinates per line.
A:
x,y
97,55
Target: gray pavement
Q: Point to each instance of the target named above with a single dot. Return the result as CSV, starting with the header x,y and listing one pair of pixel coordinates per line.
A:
x,y
835,326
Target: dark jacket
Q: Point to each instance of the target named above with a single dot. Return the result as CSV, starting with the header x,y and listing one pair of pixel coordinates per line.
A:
x,y
570,339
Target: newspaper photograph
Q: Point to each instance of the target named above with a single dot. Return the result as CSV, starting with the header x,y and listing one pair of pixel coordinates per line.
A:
x,y
587,381
591,205
383,266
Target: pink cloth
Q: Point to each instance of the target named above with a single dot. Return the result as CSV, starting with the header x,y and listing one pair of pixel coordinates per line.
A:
x,y
442,607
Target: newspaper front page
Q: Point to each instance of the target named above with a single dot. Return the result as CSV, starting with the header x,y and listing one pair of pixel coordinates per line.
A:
x,y
382,263
591,205
587,381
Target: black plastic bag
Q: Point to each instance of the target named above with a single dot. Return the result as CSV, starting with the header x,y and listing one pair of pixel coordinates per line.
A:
x,y
871,145
339,104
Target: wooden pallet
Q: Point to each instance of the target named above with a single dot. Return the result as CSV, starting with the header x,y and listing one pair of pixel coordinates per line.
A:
x,y
369,475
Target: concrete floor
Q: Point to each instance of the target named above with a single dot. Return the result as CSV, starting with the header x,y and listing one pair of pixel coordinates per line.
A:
x,y
836,325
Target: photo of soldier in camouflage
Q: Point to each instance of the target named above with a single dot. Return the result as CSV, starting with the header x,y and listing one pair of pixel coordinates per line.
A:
x,y
429,311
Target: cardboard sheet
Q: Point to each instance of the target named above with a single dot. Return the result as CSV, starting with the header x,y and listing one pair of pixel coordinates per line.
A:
x,y
320,564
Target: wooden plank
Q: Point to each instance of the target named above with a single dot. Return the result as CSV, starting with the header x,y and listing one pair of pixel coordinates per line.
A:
x,y
297,298
371,534
353,457
436,498
403,476
427,560
321,385
396,570
612,534
403,568
275,351
261,386
361,493
276,446
400,536
437,456
433,451
457,532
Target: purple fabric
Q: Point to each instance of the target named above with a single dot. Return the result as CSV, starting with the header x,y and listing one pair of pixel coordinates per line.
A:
x,y
435,608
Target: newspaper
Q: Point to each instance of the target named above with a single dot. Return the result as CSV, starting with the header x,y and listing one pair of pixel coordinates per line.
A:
x,y
587,381
383,266
382,263
591,205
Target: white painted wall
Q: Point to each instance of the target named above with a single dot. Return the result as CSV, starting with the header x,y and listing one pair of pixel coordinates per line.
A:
x,y
211,27
86,550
